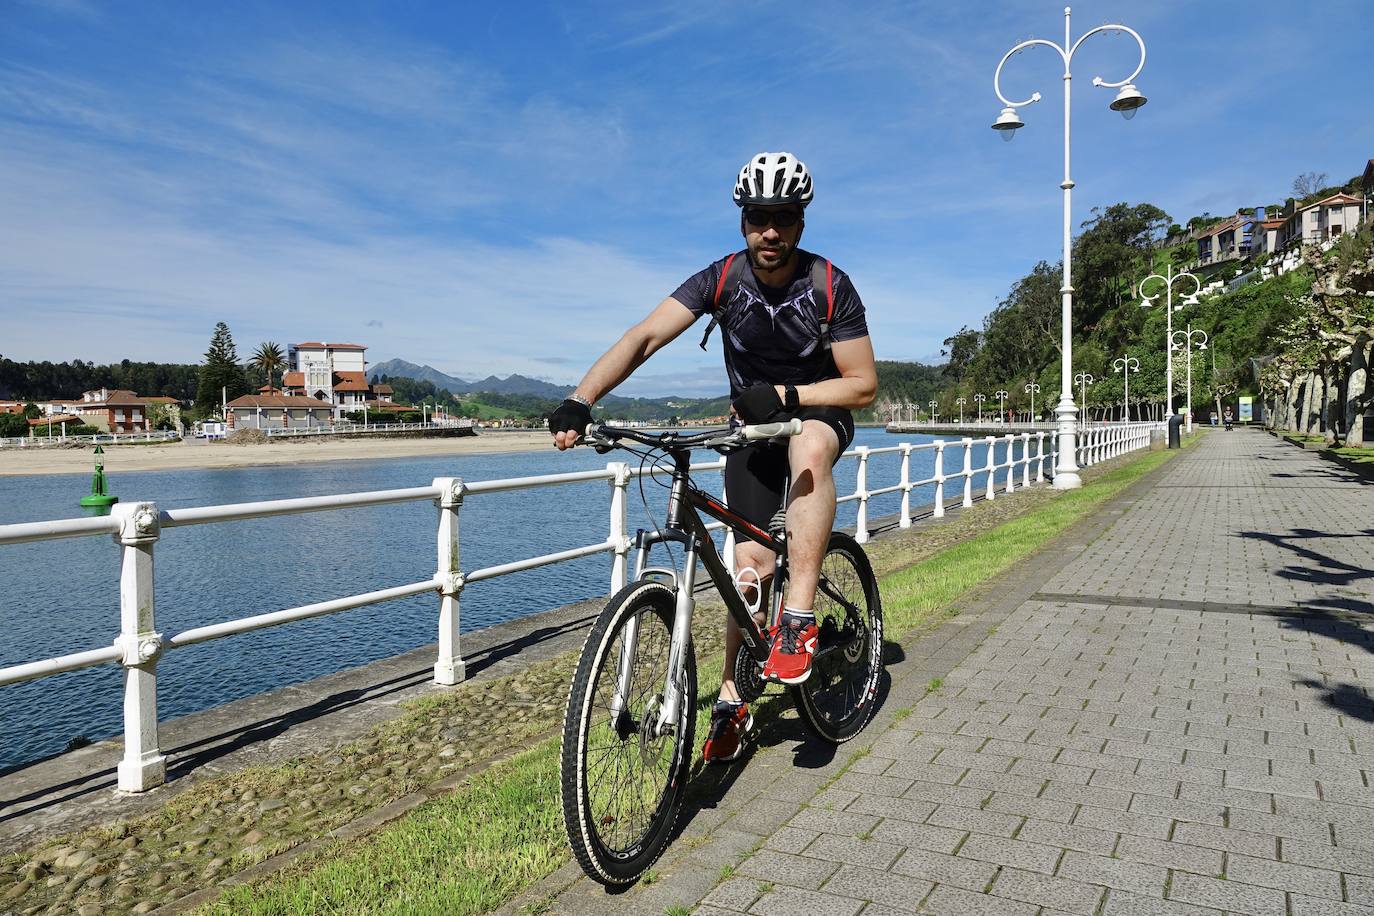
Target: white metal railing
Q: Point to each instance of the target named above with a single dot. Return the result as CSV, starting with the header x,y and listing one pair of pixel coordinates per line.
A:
x,y
41,441
900,426
137,527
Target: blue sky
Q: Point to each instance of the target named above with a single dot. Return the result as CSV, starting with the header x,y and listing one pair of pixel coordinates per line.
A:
x,y
497,188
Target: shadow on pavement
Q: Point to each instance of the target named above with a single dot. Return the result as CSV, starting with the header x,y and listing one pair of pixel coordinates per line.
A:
x,y
1347,699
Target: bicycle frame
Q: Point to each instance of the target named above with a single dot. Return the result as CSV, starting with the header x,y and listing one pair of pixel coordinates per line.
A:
x,y
684,526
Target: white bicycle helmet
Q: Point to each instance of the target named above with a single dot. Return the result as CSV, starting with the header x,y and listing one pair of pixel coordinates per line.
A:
x,y
770,179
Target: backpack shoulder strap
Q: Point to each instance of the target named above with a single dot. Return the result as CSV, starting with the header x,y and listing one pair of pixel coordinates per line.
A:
x,y
730,273
823,277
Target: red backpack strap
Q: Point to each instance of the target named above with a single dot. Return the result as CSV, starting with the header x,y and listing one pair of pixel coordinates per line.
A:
x,y
825,276
730,273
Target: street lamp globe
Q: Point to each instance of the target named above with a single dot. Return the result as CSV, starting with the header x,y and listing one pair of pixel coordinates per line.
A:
x,y
1127,101
1007,123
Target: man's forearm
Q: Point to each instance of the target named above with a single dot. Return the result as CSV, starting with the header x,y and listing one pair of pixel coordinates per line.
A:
x,y
614,366
852,393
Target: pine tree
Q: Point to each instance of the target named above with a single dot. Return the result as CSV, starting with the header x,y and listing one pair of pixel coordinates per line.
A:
x,y
220,374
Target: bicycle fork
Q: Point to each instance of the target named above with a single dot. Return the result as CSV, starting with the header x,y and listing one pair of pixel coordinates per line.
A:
x,y
671,699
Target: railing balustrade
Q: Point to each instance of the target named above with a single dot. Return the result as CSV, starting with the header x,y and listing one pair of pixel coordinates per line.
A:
x,y
57,439
138,526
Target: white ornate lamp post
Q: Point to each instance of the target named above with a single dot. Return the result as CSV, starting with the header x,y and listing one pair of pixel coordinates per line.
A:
x,y
980,398
1127,100
934,411
961,401
1083,380
1183,340
1169,278
1032,389
1001,395
1126,364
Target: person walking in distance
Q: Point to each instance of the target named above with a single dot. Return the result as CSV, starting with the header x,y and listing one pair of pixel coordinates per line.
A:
x,y
796,344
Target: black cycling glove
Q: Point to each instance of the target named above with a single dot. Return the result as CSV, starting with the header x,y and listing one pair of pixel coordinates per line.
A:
x,y
571,416
758,404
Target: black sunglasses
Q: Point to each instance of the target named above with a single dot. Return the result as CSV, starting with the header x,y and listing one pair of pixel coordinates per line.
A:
x,y
783,219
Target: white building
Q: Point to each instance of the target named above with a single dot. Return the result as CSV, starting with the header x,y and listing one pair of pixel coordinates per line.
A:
x,y
335,373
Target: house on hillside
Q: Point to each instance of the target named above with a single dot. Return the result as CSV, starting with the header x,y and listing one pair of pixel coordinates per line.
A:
x,y
335,373
1321,221
1228,240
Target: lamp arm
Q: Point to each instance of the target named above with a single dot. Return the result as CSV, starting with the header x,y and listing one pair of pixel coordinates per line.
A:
x,y
1097,80
997,75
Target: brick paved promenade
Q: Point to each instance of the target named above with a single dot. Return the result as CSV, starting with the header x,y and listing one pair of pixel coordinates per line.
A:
x,y
1170,716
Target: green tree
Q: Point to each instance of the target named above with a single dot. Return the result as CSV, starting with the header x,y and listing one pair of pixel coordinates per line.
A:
x,y
13,425
269,360
961,348
220,374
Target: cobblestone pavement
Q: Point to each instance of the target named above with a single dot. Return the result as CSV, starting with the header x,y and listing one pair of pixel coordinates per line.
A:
x,y
1172,719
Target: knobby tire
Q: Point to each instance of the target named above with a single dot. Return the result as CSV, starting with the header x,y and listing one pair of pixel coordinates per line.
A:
x,y
601,757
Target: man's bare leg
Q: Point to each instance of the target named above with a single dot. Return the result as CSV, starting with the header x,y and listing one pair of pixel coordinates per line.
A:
x,y
810,510
747,553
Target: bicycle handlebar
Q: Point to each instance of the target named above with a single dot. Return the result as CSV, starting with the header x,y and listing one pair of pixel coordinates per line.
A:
x,y
601,435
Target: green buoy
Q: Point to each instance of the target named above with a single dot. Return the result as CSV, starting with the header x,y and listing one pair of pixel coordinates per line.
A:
x,y
99,499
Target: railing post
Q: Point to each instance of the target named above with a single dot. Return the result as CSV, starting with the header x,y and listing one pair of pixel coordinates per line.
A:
x,y
620,483
143,765
938,510
1040,457
968,472
1011,463
861,521
1025,460
448,667
991,468
905,520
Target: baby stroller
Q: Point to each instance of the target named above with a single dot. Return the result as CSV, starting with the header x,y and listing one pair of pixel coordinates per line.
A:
x,y
1227,420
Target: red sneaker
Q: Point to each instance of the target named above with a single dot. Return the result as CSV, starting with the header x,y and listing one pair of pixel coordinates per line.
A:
x,y
729,735
789,662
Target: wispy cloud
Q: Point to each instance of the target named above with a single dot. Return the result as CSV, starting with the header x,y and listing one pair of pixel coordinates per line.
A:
x,y
507,192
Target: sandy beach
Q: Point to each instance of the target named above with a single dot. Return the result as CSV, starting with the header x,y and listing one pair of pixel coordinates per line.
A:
x,y
214,454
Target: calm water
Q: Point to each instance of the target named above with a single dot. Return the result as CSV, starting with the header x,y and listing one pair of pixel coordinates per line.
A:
x,y
63,596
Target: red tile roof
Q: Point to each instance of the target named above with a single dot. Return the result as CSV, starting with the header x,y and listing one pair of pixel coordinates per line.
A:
x,y
293,380
350,381
279,400
315,345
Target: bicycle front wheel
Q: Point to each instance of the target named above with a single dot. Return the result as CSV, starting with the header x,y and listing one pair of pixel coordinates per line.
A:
x,y
623,774
836,701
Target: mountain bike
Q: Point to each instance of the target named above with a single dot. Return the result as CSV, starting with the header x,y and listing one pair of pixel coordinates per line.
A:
x,y
628,729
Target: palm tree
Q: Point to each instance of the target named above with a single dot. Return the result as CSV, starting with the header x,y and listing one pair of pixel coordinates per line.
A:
x,y
268,359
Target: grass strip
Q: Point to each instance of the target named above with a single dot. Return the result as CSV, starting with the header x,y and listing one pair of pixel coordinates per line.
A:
x,y
465,853
475,849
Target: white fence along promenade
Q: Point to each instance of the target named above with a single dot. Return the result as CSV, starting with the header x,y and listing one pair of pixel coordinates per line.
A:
x,y
137,527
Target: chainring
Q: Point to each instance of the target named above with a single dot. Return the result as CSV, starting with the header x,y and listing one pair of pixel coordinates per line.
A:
x,y
748,676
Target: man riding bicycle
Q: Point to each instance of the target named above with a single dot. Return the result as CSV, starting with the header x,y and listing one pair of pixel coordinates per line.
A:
x,y
793,348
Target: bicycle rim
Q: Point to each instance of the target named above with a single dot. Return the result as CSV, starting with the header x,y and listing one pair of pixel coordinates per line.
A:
x,y
626,782
836,701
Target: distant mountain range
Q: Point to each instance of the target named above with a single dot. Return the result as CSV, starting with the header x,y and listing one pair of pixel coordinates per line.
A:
x,y
511,384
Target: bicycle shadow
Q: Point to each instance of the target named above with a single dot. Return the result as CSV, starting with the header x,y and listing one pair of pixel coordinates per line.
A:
x,y
776,723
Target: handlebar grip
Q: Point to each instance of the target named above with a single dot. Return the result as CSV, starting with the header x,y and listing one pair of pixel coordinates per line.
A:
x,y
587,433
792,427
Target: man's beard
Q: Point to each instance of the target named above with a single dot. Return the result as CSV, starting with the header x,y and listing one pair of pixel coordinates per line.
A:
x,y
782,262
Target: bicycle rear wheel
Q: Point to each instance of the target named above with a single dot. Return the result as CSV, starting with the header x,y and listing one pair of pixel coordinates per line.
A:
x,y
622,781
836,701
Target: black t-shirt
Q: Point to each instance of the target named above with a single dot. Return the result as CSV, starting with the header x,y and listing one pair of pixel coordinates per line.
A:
x,y
772,334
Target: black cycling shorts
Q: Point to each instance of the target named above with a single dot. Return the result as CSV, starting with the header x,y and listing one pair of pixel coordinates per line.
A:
x,y
755,477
